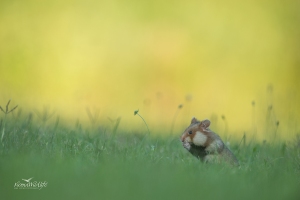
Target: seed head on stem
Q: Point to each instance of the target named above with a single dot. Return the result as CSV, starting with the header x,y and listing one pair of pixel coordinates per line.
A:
x,y
136,112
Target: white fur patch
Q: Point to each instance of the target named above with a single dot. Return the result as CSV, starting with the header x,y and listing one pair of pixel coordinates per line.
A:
x,y
199,139
214,146
187,139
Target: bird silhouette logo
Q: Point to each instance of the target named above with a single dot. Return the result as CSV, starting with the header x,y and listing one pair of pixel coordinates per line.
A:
x,y
27,180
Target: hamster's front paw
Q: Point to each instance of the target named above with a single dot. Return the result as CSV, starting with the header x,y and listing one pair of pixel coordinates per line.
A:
x,y
186,145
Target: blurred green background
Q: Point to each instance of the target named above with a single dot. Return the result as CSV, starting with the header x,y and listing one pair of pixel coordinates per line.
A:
x,y
214,57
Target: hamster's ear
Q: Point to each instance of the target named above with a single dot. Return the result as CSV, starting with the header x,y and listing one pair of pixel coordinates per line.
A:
x,y
205,123
194,120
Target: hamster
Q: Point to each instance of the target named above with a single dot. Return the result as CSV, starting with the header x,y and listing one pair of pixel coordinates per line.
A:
x,y
206,145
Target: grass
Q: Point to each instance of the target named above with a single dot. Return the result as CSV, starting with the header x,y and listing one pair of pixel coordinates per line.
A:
x,y
6,112
81,164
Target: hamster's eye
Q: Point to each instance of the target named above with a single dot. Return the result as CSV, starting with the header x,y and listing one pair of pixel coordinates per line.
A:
x,y
190,132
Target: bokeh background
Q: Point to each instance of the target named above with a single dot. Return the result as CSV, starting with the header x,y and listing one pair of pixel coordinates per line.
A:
x,y
234,62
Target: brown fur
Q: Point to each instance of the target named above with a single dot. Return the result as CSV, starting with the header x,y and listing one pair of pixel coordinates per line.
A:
x,y
213,150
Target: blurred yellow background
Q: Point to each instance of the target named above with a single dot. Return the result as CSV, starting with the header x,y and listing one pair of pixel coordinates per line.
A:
x,y
214,57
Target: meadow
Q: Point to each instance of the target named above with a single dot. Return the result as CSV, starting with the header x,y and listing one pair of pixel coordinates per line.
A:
x,y
97,162
79,69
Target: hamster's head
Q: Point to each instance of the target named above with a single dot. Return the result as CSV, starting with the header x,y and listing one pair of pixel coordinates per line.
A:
x,y
196,133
